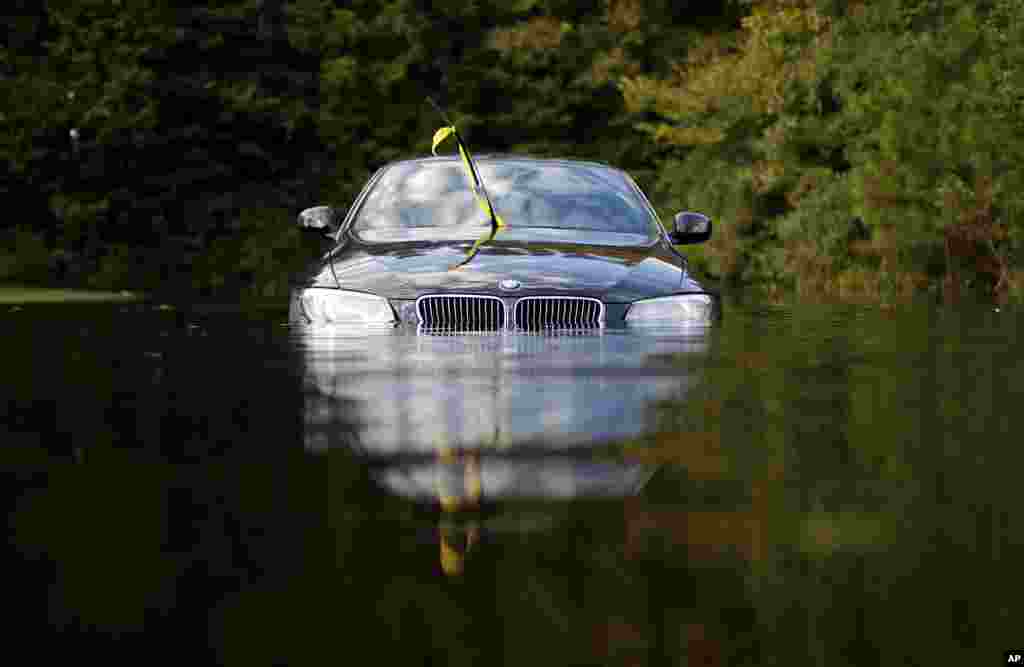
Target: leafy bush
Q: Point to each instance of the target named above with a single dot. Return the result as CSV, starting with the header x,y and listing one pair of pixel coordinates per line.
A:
x,y
901,116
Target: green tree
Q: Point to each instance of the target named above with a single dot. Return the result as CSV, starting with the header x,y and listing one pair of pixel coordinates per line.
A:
x,y
861,148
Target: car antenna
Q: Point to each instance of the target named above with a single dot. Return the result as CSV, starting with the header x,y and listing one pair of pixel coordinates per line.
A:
x,y
474,176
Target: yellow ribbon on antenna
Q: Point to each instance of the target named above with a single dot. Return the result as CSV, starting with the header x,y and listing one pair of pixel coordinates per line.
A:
x,y
439,136
478,189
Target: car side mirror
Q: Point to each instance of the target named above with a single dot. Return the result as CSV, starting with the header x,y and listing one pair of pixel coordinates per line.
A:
x,y
690,227
321,219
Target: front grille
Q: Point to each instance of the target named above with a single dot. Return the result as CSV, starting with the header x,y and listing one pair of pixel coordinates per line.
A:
x,y
461,312
557,312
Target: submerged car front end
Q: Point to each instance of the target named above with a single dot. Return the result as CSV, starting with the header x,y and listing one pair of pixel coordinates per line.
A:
x,y
506,288
526,278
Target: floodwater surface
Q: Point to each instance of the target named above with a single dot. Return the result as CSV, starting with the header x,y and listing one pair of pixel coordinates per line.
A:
x,y
807,485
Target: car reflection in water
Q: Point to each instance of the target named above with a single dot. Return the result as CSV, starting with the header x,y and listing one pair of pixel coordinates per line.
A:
x,y
463,420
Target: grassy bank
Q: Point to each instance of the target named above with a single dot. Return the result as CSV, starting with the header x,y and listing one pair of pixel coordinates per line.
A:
x,y
15,295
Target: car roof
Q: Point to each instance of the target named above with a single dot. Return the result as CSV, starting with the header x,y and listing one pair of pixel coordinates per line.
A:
x,y
510,157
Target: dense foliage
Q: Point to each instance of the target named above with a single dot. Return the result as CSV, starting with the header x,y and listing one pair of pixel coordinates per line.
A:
x,y
864,149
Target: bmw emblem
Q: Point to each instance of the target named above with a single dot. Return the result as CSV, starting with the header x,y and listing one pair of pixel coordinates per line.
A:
x,y
509,284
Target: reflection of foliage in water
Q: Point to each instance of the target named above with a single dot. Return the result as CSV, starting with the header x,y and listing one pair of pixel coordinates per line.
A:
x,y
865,482
865,507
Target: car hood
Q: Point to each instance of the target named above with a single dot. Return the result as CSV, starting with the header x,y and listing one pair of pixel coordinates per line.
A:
x,y
407,271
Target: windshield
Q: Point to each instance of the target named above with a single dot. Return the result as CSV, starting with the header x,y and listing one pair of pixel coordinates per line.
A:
x,y
433,199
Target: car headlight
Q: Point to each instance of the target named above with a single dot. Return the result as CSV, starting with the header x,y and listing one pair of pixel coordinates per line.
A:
x,y
333,306
682,309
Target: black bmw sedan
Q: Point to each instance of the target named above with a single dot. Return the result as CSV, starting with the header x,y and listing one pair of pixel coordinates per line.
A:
x,y
579,247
